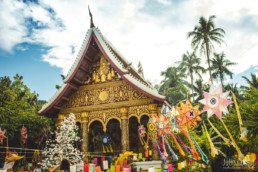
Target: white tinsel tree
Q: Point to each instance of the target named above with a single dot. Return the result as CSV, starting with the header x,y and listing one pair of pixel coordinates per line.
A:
x,y
62,147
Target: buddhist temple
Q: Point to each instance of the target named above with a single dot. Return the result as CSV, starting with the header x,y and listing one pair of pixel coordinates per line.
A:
x,y
107,95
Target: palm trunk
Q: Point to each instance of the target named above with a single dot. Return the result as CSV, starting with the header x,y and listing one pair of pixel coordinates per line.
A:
x,y
207,52
221,79
192,85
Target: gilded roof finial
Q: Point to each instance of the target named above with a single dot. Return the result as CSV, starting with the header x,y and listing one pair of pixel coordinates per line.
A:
x,y
91,18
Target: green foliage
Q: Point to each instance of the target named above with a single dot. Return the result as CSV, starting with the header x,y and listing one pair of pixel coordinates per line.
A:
x,y
220,66
18,107
190,64
204,35
249,113
173,85
253,82
177,93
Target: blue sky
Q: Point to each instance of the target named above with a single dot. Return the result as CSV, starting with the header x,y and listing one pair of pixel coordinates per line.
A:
x,y
40,39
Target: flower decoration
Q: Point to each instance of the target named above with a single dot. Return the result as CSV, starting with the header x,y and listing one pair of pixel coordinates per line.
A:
x,y
188,115
141,131
215,102
2,135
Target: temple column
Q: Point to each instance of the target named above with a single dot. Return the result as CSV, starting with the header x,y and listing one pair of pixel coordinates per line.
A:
x,y
84,124
60,118
124,129
153,112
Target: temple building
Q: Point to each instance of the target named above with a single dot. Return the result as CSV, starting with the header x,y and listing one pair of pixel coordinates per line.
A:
x,y
107,95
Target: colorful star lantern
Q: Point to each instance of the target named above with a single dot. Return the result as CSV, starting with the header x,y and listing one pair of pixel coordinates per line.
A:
x,y
173,125
23,136
215,102
2,135
188,115
163,125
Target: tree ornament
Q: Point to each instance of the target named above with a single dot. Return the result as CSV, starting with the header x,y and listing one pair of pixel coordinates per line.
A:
x,y
62,147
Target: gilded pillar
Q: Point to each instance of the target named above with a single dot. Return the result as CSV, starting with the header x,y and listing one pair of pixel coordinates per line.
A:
x,y
84,124
60,118
124,129
153,112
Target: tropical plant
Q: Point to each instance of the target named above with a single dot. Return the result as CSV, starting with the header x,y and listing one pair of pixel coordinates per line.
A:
x,y
199,87
204,35
173,76
177,93
237,90
253,81
220,67
18,107
191,64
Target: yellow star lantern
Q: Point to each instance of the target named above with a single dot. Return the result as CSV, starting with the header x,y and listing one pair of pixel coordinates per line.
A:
x,y
188,115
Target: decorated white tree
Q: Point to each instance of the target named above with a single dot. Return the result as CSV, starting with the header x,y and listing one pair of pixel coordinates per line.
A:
x,y
63,146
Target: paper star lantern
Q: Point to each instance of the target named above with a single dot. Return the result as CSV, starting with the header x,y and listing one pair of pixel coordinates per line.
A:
x,y
215,102
2,135
163,125
173,125
188,115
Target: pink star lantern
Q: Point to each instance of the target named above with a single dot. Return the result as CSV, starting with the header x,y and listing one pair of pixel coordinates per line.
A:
x,y
215,102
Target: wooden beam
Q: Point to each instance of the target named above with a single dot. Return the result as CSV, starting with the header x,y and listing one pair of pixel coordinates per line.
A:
x,y
88,58
84,69
93,48
57,107
77,80
65,98
73,87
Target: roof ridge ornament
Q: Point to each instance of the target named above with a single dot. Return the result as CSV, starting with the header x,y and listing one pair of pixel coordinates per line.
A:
x,y
91,19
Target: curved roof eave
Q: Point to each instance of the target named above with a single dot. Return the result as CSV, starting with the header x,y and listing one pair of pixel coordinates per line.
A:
x,y
152,93
56,97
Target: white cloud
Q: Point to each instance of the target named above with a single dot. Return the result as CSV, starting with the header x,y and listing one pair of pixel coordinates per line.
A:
x,y
156,41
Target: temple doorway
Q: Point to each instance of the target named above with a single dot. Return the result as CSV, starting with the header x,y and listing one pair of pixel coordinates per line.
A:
x,y
134,140
95,137
114,131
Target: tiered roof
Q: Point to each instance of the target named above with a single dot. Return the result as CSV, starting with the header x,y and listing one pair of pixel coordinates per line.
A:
x,y
93,43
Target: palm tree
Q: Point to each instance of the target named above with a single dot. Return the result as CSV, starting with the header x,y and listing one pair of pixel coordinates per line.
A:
x,y
253,82
173,76
204,35
199,87
238,91
219,66
191,64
